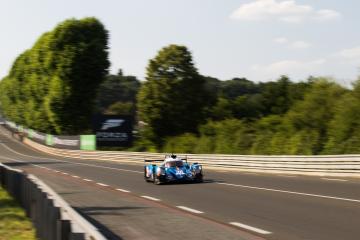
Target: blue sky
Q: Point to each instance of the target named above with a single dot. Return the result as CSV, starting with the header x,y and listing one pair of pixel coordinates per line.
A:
x,y
256,39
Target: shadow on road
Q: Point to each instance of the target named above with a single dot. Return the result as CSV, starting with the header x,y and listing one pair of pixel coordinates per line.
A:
x,y
87,212
106,210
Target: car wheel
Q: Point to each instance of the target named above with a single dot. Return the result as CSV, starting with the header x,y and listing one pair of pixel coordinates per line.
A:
x,y
199,178
156,180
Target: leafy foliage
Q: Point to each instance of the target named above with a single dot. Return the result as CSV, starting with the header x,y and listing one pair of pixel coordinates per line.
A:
x,y
51,87
173,99
117,94
306,125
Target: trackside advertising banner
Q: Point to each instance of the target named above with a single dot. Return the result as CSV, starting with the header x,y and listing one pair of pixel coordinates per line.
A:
x,y
87,142
83,142
113,130
66,142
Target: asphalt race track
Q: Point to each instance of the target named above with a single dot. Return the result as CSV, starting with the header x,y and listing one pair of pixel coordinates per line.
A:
x,y
228,205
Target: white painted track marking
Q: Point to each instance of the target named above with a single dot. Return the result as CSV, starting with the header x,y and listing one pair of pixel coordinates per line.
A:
x,y
102,184
151,198
64,173
74,176
88,180
290,192
236,185
287,176
254,229
335,179
190,209
122,190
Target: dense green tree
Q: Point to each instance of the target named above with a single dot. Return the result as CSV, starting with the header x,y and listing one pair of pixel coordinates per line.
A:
x,y
276,96
236,87
312,116
344,129
52,86
121,108
117,89
173,99
322,112
266,128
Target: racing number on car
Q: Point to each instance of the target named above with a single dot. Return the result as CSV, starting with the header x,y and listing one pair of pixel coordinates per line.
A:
x,y
179,172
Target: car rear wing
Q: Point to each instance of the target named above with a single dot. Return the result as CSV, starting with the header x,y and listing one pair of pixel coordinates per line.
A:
x,y
153,160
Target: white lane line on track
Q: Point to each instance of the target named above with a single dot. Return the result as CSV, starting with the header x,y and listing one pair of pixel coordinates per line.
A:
x,y
74,176
335,179
189,209
122,190
151,198
62,161
254,229
290,192
64,173
87,180
102,184
287,176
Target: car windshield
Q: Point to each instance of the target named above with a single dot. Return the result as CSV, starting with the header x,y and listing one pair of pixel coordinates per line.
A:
x,y
174,164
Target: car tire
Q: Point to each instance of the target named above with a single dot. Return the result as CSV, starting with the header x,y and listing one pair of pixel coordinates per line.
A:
x,y
156,180
199,178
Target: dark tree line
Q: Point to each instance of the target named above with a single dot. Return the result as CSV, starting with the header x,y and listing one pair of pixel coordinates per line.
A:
x,y
197,114
58,84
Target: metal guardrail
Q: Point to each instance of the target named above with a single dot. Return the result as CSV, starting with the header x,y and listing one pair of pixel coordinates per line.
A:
x,y
323,165
339,165
52,217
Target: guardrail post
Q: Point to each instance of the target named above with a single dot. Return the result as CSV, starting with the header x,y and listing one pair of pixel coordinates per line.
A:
x,y
54,216
63,228
47,224
32,203
2,175
18,186
77,236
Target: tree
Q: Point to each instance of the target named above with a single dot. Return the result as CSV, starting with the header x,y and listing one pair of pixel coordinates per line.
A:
x,y
236,87
312,116
52,86
344,129
117,89
121,108
173,99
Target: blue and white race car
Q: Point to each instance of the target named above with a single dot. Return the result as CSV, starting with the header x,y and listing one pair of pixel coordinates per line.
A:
x,y
172,169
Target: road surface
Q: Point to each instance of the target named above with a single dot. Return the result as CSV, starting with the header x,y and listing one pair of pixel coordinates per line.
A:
x,y
228,205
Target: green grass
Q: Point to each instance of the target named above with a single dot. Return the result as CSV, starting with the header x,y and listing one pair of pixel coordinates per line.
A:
x,y
14,225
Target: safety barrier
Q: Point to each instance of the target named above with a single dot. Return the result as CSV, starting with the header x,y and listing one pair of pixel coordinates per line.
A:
x,y
52,217
319,165
84,142
324,165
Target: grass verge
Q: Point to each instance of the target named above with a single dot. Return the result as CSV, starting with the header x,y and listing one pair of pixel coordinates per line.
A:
x,y
14,225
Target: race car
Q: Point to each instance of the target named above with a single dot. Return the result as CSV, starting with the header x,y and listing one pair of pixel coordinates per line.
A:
x,y
172,169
